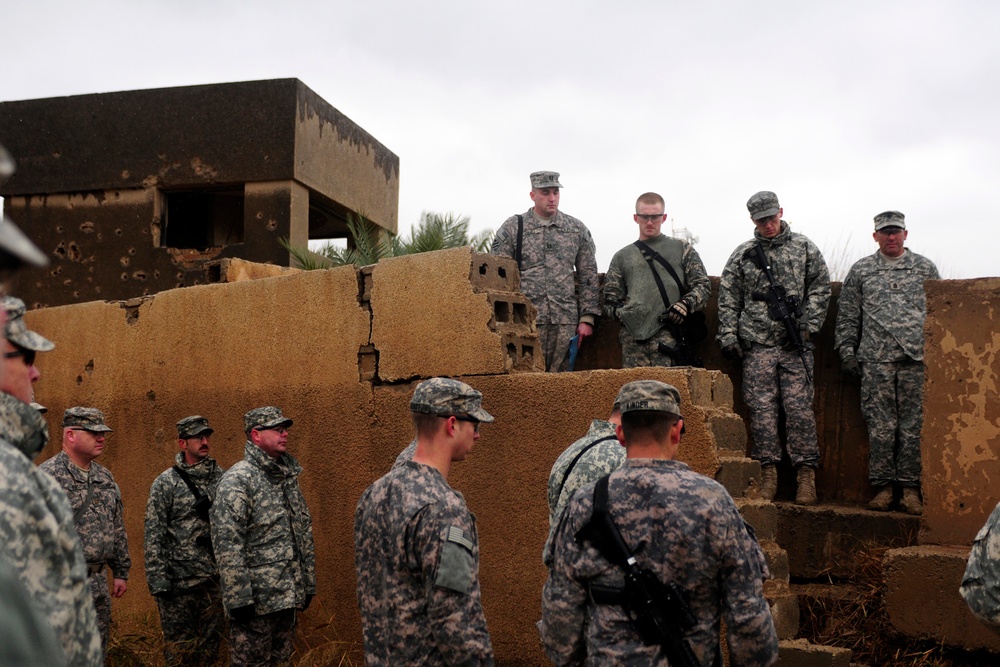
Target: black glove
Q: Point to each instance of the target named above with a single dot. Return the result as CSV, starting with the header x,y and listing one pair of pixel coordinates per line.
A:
x,y
243,614
309,599
165,595
850,366
733,351
677,312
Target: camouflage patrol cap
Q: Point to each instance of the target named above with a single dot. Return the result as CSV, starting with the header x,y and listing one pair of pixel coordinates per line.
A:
x,y
193,427
89,419
17,333
264,418
545,179
650,396
890,219
446,398
764,204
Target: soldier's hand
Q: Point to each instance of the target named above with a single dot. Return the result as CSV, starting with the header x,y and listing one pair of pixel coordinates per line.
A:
x,y
119,588
677,312
850,366
733,351
243,614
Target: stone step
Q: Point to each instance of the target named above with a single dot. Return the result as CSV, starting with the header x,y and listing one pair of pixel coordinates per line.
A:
x,y
762,516
739,474
800,653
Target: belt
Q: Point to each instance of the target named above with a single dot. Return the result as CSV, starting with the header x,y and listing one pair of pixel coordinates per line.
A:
x,y
95,568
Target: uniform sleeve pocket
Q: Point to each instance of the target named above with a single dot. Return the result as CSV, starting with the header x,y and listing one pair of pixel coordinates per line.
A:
x,y
457,568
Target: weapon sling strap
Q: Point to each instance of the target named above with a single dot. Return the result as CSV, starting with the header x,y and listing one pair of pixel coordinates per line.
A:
x,y
198,495
650,256
520,238
576,459
86,502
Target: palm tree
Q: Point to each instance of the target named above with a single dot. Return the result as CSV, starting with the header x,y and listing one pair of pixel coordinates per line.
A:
x,y
370,243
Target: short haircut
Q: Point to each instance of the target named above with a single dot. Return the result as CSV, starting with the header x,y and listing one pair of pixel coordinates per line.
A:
x,y
643,424
650,198
426,424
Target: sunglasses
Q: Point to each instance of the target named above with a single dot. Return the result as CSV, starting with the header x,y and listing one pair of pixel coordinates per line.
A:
x,y
475,422
28,355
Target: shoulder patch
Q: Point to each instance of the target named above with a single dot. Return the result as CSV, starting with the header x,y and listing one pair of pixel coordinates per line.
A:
x,y
457,566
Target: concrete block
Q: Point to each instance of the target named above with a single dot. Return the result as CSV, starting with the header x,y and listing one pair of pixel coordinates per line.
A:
x,y
512,312
785,612
722,391
524,353
777,560
760,514
800,653
729,430
367,363
737,474
700,384
365,279
824,540
922,599
490,272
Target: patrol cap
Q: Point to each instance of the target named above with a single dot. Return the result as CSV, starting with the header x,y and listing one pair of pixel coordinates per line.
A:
x,y
890,219
193,426
545,179
445,397
264,418
764,204
649,396
16,331
89,419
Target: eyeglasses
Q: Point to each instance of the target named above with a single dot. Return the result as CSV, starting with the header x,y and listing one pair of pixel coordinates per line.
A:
x,y
28,355
474,422
649,217
278,429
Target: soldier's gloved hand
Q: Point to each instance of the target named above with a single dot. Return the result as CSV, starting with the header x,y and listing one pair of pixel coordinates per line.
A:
x,y
309,599
850,366
733,351
243,614
165,595
678,312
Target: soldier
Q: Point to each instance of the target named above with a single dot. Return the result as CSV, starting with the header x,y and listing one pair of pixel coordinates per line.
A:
x,y
263,539
180,564
548,245
588,459
775,373
97,507
880,330
681,526
981,583
652,287
415,543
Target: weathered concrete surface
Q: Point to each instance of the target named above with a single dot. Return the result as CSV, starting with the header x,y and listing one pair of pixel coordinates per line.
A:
x,y
961,436
922,597
824,541
800,653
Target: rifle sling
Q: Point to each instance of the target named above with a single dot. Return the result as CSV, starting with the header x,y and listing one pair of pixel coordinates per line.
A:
x,y
198,495
650,256
520,237
86,502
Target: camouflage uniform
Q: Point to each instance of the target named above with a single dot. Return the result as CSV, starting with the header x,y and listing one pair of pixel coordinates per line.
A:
x,y
631,295
550,250
180,565
406,454
981,583
596,461
773,375
881,323
416,553
37,537
26,638
263,539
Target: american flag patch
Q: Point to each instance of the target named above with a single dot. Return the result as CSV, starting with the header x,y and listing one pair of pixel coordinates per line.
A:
x,y
457,535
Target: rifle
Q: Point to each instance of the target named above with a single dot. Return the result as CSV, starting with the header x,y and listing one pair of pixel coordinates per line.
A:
x,y
781,306
658,611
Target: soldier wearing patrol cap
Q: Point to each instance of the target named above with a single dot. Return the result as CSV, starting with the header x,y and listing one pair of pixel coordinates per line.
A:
x,y
415,543
20,347
180,565
682,526
556,258
880,336
37,538
263,539
97,507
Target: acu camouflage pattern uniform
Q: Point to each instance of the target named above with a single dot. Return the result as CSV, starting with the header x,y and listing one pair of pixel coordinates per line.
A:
x,y
981,583
180,565
632,297
773,374
416,553
599,453
881,324
686,529
263,539
26,638
38,539
101,524
550,250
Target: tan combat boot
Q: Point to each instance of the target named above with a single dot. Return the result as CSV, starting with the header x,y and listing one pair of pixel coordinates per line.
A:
x,y
768,482
911,501
805,477
882,499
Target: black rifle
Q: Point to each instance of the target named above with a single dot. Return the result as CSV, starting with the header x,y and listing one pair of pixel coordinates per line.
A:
x,y
658,611
781,306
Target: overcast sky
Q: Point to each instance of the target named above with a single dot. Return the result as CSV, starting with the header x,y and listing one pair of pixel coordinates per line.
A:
x,y
844,109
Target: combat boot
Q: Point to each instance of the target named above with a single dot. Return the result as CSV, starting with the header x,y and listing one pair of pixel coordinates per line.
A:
x,y
911,501
768,482
805,478
882,499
